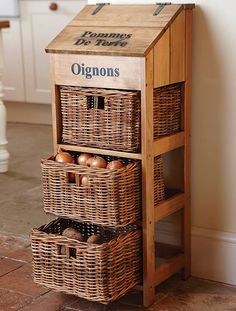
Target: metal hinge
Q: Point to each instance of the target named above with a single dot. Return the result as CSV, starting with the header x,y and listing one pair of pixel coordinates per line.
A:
x,y
99,6
161,6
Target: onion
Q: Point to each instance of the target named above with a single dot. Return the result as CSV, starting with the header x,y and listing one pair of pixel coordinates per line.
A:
x,y
88,162
83,158
98,162
84,180
64,157
115,165
71,177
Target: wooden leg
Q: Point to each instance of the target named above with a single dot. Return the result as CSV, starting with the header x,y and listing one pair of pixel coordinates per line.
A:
x,y
4,155
187,148
148,185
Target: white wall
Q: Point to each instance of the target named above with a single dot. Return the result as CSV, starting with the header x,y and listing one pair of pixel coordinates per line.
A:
x,y
213,138
213,114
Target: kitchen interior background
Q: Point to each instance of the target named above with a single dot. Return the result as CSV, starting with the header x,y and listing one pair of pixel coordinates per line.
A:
x,y
27,89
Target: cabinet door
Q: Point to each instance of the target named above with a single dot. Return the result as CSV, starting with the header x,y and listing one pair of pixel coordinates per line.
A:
x,y
40,25
13,72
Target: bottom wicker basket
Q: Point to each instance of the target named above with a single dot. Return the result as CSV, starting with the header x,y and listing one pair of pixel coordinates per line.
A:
x,y
95,272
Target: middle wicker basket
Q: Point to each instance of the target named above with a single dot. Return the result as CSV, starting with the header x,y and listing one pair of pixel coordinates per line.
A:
x,y
111,198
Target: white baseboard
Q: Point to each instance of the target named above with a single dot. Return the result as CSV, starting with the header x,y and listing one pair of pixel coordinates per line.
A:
x,y
213,252
214,255
28,113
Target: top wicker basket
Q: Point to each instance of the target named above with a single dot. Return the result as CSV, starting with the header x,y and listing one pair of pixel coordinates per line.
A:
x,y
101,118
111,119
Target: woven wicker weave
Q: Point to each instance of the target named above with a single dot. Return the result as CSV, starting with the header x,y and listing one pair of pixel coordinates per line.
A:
x,y
96,272
159,187
167,105
101,118
112,198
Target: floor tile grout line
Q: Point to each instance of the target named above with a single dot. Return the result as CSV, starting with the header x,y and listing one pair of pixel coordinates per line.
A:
x,y
33,300
21,293
12,270
17,260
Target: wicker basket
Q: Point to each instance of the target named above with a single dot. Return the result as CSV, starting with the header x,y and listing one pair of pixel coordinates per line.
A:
x,y
159,186
101,118
111,198
100,273
167,106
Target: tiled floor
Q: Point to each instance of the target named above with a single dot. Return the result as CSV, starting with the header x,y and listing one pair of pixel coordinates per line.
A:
x,y
18,291
20,188
21,209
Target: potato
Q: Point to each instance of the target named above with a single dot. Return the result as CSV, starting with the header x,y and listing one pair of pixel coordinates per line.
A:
x,y
95,239
71,233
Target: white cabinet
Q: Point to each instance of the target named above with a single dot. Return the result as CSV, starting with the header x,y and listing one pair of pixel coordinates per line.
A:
x,y
39,25
26,74
13,73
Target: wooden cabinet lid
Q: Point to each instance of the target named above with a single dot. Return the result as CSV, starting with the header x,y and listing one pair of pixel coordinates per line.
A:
x,y
122,30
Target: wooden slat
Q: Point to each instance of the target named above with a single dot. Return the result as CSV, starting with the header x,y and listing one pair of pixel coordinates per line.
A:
x,y
170,206
125,15
189,6
168,143
147,183
165,252
138,42
129,69
56,109
187,150
167,269
4,24
162,60
100,151
177,46
135,21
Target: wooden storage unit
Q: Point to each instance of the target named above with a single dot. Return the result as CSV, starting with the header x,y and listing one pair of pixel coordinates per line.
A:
x,y
144,48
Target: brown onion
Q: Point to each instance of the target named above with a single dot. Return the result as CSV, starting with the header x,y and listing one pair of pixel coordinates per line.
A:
x,y
64,157
88,162
83,158
115,165
71,177
98,162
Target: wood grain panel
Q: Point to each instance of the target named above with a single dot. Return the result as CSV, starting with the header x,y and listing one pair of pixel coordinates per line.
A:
x,y
170,206
187,150
168,143
130,76
104,41
166,269
148,183
177,49
56,109
162,60
126,15
112,153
